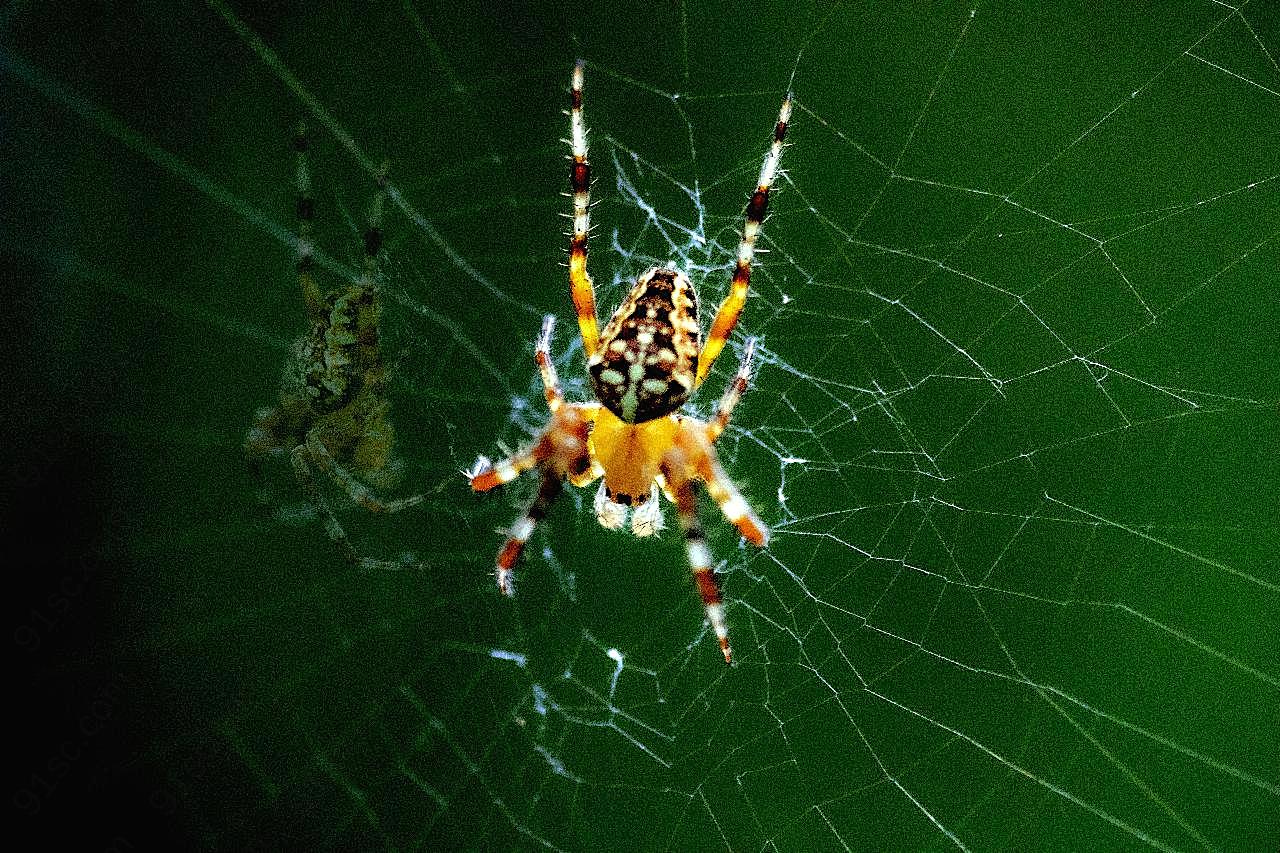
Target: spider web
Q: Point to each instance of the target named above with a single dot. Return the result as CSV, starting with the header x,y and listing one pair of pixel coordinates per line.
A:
x,y
1013,423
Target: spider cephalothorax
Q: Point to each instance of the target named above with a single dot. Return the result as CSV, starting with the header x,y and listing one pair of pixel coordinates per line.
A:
x,y
643,367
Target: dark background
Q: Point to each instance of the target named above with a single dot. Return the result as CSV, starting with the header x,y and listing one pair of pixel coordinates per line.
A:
x,y
1015,428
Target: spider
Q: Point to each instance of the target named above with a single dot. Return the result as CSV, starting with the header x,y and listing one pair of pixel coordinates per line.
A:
x,y
333,414
643,367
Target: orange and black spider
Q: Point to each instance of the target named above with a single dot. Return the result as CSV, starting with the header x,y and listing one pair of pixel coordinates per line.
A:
x,y
643,368
332,415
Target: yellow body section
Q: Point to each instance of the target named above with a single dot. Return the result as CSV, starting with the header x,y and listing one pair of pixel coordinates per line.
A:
x,y
631,454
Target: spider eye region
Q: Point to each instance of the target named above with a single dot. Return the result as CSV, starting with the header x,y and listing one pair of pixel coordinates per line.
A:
x,y
648,355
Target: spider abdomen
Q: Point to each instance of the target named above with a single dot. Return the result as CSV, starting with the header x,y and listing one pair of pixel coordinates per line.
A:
x,y
343,346
645,365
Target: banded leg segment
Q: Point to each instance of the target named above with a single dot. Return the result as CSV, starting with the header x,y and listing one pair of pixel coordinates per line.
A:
x,y
303,465
730,500
562,446
302,471
580,285
520,532
542,355
358,492
491,476
700,560
731,308
305,211
732,395
696,458
373,233
565,437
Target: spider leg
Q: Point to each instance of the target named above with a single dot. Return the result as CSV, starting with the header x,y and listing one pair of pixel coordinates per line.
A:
x,y
717,425
730,500
580,286
579,467
365,293
550,444
564,444
305,210
302,471
259,443
275,431
731,308
699,556
373,237
359,493
584,469
542,355
699,460
488,475
520,532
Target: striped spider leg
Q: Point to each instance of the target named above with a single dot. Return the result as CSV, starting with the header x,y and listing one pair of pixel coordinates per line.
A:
x,y
332,415
643,366
561,451
731,308
692,458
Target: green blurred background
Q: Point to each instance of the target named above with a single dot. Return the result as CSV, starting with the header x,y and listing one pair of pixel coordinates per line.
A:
x,y
1014,427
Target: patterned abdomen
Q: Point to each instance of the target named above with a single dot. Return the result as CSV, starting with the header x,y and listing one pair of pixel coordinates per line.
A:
x,y
648,355
334,361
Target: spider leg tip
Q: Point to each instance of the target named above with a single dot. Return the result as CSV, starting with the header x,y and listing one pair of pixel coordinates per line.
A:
x,y
482,476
